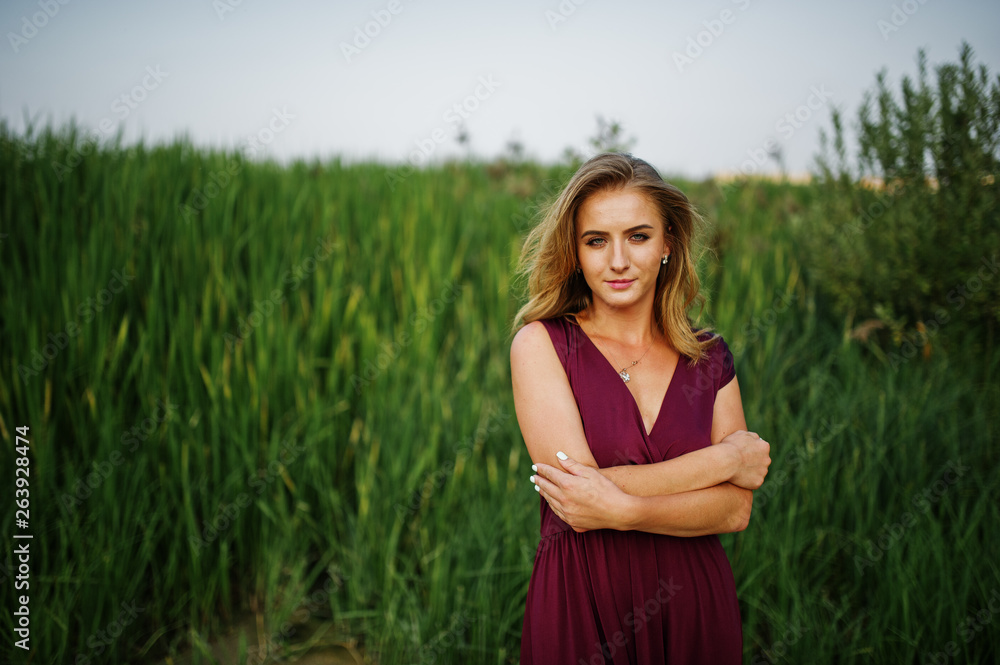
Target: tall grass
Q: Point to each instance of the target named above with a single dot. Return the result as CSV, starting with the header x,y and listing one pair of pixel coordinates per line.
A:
x,y
340,447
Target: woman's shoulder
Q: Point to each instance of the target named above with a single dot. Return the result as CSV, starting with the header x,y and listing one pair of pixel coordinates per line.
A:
x,y
542,336
529,334
718,361
562,322
532,334
538,325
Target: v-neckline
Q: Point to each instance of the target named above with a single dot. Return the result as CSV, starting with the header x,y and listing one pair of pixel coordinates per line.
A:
x,y
635,404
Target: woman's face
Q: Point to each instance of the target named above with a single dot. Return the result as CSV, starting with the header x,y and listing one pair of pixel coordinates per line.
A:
x,y
620,244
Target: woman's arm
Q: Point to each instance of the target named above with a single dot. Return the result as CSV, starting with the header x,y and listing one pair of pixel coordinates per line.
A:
x,y
740,457
724,508
721,509
698,469
543,400
550,420
585,499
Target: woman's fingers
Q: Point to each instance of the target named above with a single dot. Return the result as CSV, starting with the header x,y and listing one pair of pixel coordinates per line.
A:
x,y
756,458
543,484
544,488
547,481
571,465
557,477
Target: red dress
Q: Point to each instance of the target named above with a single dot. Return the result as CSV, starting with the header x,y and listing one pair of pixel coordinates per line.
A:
x,y
608,596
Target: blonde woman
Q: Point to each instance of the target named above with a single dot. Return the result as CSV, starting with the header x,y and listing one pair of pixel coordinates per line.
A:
x,y
634,422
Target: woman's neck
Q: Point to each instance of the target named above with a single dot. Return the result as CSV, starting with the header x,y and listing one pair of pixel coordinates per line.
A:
x,y
630,327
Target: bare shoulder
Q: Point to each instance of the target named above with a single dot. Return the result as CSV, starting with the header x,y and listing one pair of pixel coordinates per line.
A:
x,y
533,356
546,408
531,343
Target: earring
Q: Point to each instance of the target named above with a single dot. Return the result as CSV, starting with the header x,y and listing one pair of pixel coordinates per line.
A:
x,y
665,259
578,271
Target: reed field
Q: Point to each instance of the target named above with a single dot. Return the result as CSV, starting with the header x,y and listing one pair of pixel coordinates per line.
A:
x,y
271,404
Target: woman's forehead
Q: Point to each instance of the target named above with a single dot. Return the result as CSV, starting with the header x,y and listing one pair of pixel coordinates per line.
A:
x,y
622,208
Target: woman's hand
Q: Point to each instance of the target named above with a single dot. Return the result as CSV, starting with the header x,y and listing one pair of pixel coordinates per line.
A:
x,y
581,496
755,457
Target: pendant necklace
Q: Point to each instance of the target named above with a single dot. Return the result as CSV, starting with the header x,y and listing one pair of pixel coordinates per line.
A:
x,y
622,372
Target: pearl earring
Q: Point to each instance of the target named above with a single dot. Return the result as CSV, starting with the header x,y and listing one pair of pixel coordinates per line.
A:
x,y
665,259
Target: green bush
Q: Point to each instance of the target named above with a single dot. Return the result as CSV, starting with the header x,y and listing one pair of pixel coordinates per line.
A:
x,y
908,240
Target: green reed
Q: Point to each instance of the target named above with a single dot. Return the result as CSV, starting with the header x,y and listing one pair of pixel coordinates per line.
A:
x,y
300,414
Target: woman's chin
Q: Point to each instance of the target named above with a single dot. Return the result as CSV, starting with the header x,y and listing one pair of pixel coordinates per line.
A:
x,y
621,299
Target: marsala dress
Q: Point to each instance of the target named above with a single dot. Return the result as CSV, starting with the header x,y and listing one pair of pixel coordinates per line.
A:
x,y
608,596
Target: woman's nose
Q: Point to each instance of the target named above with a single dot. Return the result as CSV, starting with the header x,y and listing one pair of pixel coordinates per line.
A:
x,y
619,259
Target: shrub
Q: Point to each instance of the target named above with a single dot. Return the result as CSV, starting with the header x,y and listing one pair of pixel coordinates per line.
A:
x,y
909,239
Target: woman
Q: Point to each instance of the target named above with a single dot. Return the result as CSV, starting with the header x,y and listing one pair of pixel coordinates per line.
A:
x,y
620,401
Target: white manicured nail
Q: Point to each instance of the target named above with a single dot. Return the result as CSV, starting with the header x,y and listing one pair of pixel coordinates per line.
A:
x,y
537,488
561,455
534,467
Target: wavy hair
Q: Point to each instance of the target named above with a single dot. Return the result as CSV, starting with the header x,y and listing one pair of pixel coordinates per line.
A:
x,y
549,257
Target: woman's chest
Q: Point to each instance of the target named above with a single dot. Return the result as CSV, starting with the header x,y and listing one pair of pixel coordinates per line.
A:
x,y
640,427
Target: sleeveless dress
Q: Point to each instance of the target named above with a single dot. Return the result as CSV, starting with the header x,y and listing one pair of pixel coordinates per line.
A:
x,y
632,597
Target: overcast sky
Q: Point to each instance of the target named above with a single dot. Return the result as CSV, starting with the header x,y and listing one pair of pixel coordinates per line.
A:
x,y
703,87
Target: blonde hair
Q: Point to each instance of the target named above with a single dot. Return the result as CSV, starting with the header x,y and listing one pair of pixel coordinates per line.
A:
x,y
549,258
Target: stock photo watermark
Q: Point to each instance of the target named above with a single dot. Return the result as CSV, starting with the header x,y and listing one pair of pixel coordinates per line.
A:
x,y
440,476
968,629
899,17
636,620
891,533
700,42
709,374
786,126
390,351
528,216
101,640
867,217
121,107
958,297
292,279
37,21
431,651
85,486
758,325
884,195
779,648
563,11
306,607
454,117
219,179
797,459
228,514
363,35
223,7
86,312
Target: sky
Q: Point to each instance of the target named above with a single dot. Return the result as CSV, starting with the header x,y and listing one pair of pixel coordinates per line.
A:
x,y
703,88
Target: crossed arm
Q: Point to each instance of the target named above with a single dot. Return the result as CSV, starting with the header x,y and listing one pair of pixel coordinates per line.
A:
x,y
703,492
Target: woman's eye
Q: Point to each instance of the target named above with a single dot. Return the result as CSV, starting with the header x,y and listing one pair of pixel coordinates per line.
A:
x,y
595,242
640,236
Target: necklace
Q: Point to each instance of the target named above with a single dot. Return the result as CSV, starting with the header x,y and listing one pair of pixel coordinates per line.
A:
x,y
622,372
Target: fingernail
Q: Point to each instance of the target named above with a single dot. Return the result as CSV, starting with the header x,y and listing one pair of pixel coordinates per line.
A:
x,y
531,478
537,488
534,467
561,455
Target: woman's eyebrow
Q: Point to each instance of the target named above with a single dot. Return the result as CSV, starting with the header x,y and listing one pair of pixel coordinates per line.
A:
x,y
627,231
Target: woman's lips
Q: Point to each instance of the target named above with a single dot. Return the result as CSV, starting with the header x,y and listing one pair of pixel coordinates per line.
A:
x,y
620,283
